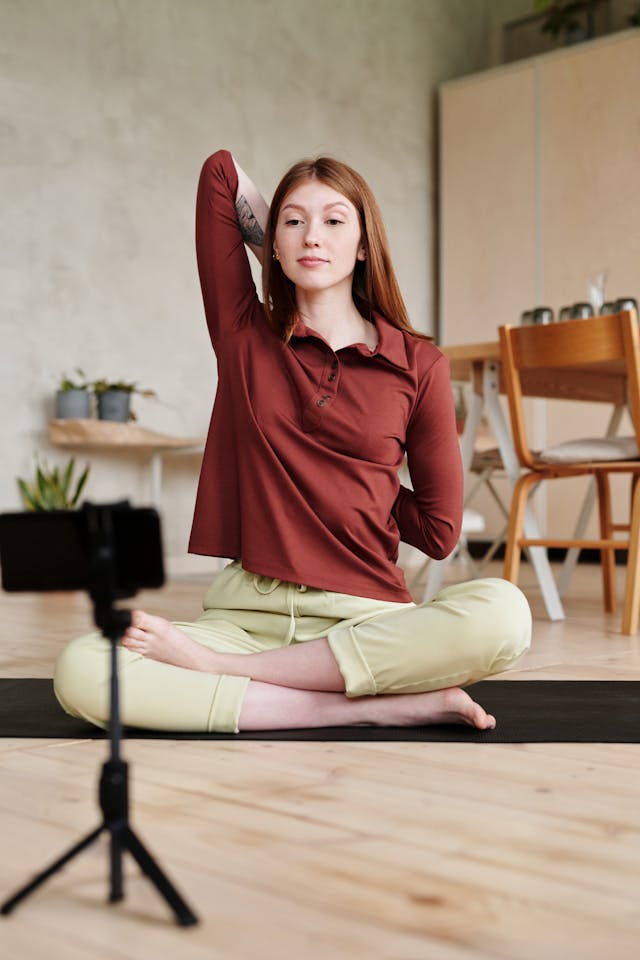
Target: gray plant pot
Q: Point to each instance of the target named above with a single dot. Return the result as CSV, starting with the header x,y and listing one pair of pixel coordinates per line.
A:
x,y
73,404
114,405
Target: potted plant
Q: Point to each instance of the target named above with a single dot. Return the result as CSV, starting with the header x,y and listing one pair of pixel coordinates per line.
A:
x,y
73,399
573,19
52,488
114,399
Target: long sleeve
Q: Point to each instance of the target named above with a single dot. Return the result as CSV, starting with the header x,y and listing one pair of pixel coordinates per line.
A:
x,y
228,290
429,517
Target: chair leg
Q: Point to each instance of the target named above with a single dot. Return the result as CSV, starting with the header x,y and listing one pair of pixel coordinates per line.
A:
x,y
607,557
631,608
513,549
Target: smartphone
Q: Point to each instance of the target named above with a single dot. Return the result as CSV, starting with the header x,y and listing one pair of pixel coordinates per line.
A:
x,y
56,550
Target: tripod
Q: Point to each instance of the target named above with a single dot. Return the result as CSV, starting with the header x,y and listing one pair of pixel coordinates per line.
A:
x,y
114,785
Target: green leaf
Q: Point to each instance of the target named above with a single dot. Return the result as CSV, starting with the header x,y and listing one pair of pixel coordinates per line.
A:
x,y
40,504
56,498
43,489
66,479
66,383
28,496
81,483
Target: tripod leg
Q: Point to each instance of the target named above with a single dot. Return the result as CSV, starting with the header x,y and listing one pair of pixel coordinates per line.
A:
x,y
115,852
114,801
148,865
40,878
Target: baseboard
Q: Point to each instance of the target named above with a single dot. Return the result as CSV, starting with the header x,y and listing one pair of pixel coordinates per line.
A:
x,y
478,548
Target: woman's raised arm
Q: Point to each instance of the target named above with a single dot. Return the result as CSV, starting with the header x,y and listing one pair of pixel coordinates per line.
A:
x,y
252,212
223,201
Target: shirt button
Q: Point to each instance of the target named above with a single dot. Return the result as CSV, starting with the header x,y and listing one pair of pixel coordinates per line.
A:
x,y
320,403
331,377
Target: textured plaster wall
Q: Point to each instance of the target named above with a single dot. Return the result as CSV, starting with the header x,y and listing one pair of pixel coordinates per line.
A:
x,y
107,110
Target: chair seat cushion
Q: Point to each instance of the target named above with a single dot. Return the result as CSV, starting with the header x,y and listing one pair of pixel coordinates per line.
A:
x,y
592,448
489,459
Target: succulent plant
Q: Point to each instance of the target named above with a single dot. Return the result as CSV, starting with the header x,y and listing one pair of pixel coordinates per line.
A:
x,y
53,488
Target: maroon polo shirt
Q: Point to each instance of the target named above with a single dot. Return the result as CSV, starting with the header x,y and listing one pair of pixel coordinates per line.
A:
x,y
299,478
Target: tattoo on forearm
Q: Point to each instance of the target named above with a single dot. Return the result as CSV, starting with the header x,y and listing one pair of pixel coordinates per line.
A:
x,y
249,227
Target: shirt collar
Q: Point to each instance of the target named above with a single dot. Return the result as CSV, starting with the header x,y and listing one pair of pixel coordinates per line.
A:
x,y
391,341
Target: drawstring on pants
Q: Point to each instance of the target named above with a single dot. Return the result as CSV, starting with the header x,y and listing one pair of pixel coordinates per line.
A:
x,y
265,585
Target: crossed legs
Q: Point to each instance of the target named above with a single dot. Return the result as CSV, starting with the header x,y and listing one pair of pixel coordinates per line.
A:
x,y
404,666
300,685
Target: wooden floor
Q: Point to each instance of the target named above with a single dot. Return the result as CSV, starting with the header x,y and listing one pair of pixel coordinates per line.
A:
x,y
399,851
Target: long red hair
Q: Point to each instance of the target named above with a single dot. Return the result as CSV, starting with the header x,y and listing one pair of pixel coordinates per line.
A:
x,y
375,286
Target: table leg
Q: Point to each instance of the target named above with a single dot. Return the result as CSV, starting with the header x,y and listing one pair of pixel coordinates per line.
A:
x,y
470,434
155,479
537,555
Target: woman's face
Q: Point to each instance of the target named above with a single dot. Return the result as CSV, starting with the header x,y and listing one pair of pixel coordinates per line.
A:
x,y
317,237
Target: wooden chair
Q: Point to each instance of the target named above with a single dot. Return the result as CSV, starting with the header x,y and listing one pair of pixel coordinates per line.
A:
x,y
606,345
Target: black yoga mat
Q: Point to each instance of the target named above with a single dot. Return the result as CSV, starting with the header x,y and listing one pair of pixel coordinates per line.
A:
x,y
527,711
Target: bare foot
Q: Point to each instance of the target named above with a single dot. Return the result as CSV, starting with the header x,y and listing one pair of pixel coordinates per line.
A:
x,y
158,639
451,705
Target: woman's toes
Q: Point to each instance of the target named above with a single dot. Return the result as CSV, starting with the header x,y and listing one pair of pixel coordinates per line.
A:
x,y
481,719
488,722
139,620
151,624
131,642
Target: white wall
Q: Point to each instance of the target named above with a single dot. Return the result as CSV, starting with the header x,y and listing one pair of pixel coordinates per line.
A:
x,y
109,108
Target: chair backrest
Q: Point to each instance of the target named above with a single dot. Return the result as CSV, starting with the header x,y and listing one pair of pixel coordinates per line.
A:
x,y
569,344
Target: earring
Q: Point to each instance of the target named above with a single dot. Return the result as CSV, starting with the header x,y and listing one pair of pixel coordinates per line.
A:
x,y
275,255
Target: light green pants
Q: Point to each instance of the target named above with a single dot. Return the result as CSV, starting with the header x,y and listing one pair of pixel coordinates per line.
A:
x,y
467,632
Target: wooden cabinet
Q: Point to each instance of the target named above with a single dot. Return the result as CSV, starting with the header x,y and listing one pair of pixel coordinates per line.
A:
x,y
487,202
589,160
540,166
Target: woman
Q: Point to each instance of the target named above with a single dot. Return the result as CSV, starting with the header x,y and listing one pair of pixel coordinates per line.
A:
x,y
321,393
